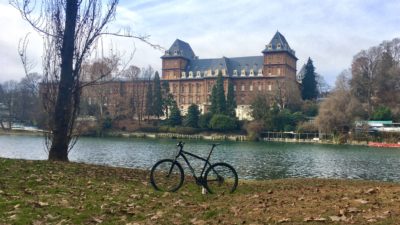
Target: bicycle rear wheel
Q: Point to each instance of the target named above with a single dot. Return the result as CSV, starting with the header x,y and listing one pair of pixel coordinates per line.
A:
x,y
221,178
166,175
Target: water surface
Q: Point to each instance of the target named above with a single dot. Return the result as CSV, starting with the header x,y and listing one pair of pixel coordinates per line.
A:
x,y
253,160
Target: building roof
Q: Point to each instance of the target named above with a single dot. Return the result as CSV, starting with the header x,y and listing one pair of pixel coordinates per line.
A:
x,y
279,44
180,49
228,64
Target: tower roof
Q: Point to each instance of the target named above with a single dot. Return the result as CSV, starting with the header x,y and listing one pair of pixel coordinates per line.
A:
x,y
179,49
279,44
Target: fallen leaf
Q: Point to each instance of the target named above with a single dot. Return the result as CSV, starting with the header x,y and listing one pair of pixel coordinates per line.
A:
x,y
361,201
339,218
372,191
41,204
197,222
320,219
284,220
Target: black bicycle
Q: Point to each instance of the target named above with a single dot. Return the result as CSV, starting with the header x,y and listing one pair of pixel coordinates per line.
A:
x,y
218,178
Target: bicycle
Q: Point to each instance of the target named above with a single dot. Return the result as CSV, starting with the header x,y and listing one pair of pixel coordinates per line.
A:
x,y
168,175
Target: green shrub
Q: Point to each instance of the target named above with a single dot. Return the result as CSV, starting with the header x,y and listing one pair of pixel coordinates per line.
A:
x,y
204,120
221,122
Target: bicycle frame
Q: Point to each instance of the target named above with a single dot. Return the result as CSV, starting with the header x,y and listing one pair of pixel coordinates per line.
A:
x,y
182,153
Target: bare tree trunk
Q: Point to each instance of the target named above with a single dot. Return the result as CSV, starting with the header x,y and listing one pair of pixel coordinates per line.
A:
x,y
63,107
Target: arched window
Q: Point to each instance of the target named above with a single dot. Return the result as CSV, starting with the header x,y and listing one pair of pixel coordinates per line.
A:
x,y
190,74
235,73
243,73
183,74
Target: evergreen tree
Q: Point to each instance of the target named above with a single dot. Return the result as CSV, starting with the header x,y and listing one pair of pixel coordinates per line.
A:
x,y
309,90
175,118
192,117
213,107
157,97
221,101
167,98
149,101
230,101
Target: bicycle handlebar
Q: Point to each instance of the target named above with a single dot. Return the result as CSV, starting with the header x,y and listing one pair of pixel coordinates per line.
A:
x,y
180,144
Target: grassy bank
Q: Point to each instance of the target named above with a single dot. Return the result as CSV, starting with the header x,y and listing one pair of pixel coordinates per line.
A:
x,y
41,192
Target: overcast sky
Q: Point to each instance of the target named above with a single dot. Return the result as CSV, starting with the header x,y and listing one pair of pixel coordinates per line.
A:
x,y
331,32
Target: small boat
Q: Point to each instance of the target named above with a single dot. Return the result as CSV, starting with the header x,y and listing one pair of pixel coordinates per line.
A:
x,y
384,145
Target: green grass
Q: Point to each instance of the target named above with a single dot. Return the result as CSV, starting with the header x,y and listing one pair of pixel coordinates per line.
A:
x,y
42,192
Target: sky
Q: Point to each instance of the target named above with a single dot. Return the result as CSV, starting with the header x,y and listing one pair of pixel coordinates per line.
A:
x,y
331,32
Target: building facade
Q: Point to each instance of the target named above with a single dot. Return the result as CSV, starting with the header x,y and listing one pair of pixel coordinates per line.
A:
x,y
191,79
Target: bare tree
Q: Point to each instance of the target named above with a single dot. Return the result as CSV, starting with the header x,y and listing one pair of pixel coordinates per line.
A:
x,y
9,100
287,94
70,28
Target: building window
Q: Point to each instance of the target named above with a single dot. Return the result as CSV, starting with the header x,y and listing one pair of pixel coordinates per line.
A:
x,y
198,88
279,71
278,46
251,87
235,73
198,74
251,72
190,74
243,88
183,74
269,87
182,88
260,72
234,87
259,87
243,73
190,88
269,47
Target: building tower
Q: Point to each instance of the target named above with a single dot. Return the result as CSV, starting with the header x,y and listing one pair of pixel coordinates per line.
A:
x,y
279,58
176,59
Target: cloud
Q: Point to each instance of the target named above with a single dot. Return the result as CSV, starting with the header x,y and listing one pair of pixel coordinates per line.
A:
x,y
331,32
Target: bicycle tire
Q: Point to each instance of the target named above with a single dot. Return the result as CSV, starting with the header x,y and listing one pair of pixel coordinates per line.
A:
x,y
221,178
163,182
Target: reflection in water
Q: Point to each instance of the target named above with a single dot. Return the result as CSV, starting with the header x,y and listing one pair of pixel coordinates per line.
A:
x,y
252,160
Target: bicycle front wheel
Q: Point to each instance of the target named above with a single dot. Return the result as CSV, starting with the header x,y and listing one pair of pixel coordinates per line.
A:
x,y
221,178
167,175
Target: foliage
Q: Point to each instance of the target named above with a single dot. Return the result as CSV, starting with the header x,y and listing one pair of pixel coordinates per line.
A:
x,y
149,100
254,129
309,90
204,120
260,106
230,100
192,118
309,108
167,97
382,113
222,122
218,101
370,90
157,96
175,118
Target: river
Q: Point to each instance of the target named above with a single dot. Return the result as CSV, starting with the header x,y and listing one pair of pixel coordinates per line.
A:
x,y
252,160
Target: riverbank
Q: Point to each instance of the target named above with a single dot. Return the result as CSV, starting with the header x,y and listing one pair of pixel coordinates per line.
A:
x,y
212,136
41,192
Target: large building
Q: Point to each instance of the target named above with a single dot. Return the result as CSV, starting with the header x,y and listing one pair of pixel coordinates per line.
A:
x,y
191,79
